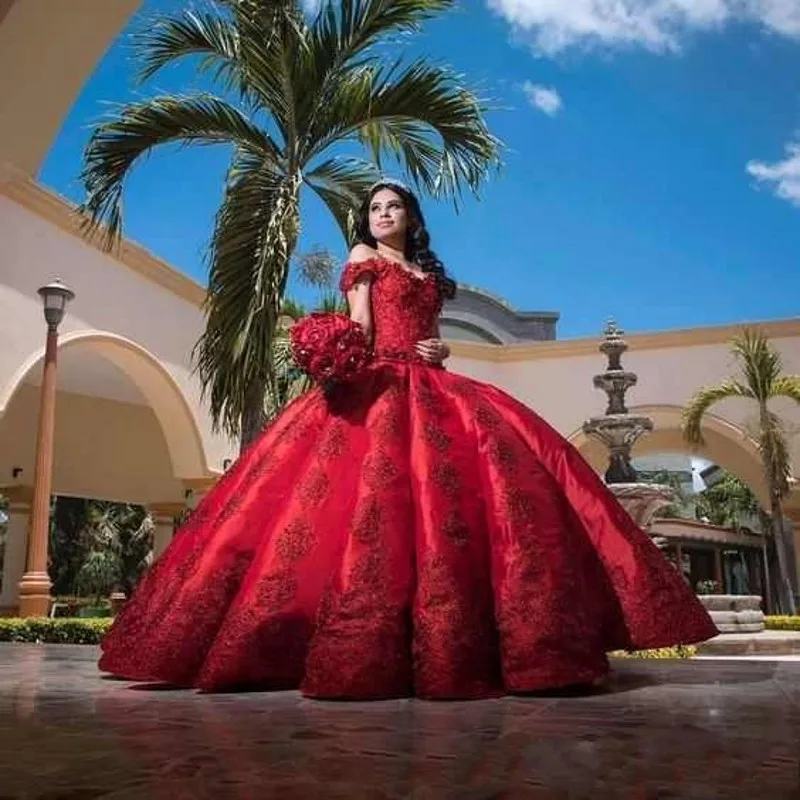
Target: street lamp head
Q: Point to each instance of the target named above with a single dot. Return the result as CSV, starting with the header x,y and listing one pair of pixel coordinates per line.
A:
x,y
55,297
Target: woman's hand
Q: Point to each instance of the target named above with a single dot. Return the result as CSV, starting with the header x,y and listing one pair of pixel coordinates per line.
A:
x,y
434,351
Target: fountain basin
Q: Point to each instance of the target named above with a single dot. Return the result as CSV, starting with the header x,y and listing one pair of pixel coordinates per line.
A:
x,y
618,429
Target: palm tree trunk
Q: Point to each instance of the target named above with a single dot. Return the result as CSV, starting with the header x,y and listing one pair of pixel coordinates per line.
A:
x,y
784,591
253,417
783,588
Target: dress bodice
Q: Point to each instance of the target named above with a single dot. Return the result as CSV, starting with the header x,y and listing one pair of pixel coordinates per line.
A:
x,y
405,308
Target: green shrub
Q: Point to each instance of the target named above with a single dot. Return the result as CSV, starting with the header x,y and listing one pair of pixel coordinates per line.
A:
x,y
46,630
784,623
680,651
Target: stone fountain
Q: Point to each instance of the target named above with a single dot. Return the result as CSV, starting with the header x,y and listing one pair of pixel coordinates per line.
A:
x,y
619,430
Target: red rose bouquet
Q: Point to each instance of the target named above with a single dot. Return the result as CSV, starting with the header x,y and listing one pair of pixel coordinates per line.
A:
x,y
329,347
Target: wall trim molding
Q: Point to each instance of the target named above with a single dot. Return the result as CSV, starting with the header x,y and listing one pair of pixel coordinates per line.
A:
x,y
32,196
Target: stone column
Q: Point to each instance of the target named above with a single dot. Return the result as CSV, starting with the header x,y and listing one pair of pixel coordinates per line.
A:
x,y
164,516
16,549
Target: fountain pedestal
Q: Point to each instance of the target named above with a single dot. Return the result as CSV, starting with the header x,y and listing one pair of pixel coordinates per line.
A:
x,y
619,430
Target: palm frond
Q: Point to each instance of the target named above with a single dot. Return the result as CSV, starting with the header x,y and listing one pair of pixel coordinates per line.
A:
x,y
703,400
116,146
423,116
758,360
423,159
787,386
213,38
242,44
347,28
341,183
343,37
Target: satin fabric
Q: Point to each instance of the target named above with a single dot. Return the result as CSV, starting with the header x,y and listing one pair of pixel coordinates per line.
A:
x,y
414,533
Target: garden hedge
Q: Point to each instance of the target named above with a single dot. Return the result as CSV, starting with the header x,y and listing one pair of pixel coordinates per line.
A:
x,y
784,623
681,651
47,630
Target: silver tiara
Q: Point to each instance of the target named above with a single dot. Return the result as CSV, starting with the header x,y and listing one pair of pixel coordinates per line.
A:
x,y
390,182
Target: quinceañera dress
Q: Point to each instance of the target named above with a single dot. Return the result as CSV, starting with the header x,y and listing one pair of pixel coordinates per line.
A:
x,y
411,533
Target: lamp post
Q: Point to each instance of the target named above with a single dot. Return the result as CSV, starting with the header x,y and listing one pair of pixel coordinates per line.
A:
x,y
34,588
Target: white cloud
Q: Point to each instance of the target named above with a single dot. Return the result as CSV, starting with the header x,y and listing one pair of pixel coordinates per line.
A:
x,y
658,25
782,177
782,16
543,97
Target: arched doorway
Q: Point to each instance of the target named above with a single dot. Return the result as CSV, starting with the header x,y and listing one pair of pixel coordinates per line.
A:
x,y
124,433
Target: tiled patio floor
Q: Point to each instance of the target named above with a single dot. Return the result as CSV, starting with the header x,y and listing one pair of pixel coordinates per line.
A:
x,y
690,729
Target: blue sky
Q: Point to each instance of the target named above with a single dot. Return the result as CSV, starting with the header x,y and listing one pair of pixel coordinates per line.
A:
x,y
649,174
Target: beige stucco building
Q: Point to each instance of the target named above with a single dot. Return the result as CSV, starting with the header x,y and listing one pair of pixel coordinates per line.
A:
x,y
130,423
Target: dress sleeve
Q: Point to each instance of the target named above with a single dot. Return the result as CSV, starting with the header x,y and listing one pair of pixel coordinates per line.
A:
x,y
354,271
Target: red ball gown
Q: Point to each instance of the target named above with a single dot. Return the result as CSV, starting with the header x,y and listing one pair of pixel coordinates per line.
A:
x,y
414,533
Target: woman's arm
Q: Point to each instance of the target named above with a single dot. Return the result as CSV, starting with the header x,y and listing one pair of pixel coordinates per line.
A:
x,y
358,296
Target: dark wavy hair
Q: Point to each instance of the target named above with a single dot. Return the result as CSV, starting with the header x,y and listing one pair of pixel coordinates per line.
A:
x,y
417,248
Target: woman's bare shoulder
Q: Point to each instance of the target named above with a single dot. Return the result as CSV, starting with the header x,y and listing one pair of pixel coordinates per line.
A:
x,y
361,252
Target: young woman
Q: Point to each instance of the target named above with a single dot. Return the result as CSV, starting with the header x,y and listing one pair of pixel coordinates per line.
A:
x,y
413,532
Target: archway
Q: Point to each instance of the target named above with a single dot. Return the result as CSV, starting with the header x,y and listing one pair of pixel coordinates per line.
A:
x,y
124,433
157,387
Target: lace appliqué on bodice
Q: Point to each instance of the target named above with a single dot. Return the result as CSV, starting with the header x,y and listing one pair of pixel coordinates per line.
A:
x,y
405,308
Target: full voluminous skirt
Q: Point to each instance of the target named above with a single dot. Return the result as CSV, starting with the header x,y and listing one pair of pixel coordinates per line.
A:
x,y
418,533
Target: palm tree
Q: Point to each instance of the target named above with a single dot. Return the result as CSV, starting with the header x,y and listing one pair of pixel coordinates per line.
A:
x,y
762,381
293,91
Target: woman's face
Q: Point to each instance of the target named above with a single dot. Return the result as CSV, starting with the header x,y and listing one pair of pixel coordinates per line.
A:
x,y
388,218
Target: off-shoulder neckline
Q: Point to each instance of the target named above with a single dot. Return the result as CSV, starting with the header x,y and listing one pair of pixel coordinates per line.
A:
x,y
396,264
